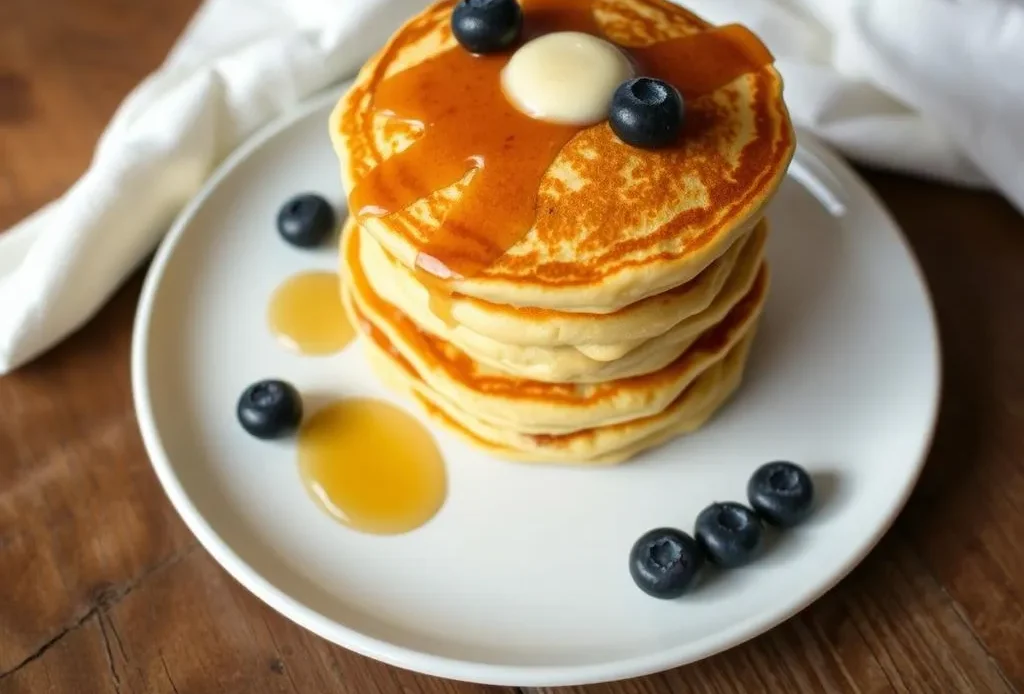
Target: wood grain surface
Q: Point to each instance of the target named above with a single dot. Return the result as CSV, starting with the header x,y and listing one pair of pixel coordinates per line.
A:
x,y
102,589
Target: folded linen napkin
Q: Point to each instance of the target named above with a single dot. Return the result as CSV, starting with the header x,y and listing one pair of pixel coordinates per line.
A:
x,y
930,87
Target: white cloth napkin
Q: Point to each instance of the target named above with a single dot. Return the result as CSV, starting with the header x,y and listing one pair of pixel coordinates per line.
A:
x,y
931,87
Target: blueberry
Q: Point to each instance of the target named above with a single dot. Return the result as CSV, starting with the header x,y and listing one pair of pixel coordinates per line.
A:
x,y
270,409
647,113
487,26
305,220
664,562
729,533
782,493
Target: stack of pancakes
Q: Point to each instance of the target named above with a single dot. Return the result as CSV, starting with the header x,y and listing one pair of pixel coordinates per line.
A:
x,y
624,316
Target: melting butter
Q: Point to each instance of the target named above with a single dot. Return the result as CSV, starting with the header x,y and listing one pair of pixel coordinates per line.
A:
x,y
567,77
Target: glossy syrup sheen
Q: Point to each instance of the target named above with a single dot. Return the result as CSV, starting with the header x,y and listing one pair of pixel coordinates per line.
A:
x,y
306,315
468,125
372,466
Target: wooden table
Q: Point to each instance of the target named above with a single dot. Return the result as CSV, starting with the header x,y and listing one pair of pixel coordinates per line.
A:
x,y
102,589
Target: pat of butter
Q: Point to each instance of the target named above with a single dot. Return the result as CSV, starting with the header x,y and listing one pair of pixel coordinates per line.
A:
x,y
567,77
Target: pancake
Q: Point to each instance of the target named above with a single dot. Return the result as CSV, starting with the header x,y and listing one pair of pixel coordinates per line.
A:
x,y
600,336
567,364
597,446
531,406
611,224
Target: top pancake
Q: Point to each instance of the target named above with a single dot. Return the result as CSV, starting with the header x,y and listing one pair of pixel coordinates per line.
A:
x,y
614,224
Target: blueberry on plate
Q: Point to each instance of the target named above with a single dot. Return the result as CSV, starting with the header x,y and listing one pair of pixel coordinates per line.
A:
x,y
664,562
729,533
646,113
270,409
487,26
782,493
305,220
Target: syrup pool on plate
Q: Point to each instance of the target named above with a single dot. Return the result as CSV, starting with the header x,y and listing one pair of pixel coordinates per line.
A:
x,y
372,466
306,315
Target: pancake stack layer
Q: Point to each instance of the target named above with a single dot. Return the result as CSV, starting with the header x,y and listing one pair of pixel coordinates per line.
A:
x,y
623,316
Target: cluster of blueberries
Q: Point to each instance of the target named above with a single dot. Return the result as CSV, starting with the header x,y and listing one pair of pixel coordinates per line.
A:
x,y
271,409
645,112
665,562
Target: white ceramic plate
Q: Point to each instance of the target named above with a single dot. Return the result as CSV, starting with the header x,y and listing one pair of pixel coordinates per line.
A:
x,y
522,577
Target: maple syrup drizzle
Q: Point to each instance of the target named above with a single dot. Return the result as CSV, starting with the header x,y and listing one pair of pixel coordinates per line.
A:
x,y
372,466
439,295
306,315
468,125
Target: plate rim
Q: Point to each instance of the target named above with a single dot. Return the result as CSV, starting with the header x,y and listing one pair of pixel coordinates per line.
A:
x,y
812,156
